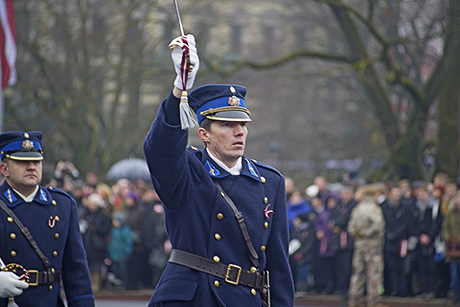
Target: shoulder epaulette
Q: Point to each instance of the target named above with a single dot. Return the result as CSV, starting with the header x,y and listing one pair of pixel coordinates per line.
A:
x,y
57,190
195,151
266,166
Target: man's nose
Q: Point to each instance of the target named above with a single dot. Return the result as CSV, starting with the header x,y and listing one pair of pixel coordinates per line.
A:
x,y
31,164
239,129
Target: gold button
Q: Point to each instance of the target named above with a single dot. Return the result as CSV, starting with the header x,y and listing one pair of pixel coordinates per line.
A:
x,y
216,283
220,216
262,248
13,254
9,219
217,236
266,225
54,202
265,200
50,288
216,259
222,193
253,269
12,236
53,270
55,253
263,179
253,291
56,235
56,218
50,188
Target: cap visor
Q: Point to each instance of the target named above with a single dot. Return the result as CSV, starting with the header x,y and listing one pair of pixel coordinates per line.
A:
x,y
25,156
232,116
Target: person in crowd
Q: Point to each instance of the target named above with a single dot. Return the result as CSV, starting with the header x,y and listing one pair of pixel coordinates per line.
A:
x,y
340,216
199,188
396,222
65,171
120,189
119,250
91,179
441,267
451,236
105,191
135,218
424,225
296,206
289,187
324,266
367,226
156,239
95,227
302,249
407,197
323,188
450,191
49,217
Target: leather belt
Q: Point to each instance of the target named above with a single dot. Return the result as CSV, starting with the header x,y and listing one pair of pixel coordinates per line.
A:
x,y
34,277
43,278
231,273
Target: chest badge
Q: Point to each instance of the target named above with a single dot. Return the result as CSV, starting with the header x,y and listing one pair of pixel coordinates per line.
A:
x,y
52,221
267,211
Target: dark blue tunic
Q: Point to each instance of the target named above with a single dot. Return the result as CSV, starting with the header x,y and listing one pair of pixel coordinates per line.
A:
x,y
52,220
199,221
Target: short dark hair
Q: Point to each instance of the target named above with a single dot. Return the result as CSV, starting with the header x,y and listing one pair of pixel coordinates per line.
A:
x,y
206,124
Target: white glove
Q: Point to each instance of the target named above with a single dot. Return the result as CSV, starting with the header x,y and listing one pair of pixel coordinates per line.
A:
x,y
10,285
176,56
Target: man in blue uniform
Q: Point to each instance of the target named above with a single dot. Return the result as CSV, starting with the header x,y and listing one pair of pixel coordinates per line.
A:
x,y
50,217
212,264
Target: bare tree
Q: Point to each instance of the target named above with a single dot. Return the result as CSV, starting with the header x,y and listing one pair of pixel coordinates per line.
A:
x,y
82,66
403,54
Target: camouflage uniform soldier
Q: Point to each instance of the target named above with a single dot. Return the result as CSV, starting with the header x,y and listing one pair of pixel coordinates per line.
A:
x,y
367,226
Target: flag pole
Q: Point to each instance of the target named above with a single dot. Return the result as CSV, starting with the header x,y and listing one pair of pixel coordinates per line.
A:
x,y
2,107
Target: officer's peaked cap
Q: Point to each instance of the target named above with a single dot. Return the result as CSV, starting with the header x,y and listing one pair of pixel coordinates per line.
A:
x,y
224,102
22,146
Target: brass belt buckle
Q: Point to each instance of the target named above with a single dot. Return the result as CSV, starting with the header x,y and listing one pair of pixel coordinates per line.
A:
x,y
230,267
19,270
35,283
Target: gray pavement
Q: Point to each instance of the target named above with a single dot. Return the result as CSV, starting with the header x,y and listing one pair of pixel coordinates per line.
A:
x,y
120,303
137,298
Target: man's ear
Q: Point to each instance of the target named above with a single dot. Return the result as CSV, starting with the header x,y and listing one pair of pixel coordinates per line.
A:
x,y
203,134
4,169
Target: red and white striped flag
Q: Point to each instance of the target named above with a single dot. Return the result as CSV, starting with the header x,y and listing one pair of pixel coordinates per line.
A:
x,y
7,43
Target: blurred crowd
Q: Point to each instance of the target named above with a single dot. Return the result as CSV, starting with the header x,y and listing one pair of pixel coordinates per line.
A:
x,y
122,226
388,238
402,240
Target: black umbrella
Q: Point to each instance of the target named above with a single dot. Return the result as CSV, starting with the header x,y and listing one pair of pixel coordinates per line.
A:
x,y
131,169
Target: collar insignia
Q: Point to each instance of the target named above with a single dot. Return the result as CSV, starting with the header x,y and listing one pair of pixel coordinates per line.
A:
x,y
27,144
10,196
251,169
211,169
43,195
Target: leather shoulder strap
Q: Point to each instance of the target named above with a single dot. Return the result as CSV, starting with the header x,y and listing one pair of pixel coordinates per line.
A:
x,y
239,217
26,232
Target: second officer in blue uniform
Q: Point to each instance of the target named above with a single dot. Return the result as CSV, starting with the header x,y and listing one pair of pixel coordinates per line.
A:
x,y
50,217
215,262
